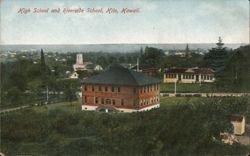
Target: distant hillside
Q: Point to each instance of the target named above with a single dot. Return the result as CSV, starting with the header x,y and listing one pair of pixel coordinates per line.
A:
x,y
109,47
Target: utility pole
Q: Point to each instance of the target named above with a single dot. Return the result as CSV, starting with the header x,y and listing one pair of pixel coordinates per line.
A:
x,y
47,94
175,87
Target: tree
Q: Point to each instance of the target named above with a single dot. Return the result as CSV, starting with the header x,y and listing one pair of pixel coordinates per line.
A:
x,y
102,61
153,56
121,59
216,57
187,51
236,73
43,65
69,90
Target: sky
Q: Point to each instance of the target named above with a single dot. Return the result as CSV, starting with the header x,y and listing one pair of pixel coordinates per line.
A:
x,y
158,21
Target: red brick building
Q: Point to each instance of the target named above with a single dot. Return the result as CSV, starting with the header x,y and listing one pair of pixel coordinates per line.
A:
x,y
121,90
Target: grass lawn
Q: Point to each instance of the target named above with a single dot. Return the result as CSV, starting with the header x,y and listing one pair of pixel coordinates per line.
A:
x,y
171,101
188,88
66,106
76,105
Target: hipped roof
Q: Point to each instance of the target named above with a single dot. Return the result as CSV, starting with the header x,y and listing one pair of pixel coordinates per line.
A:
x,y
118,75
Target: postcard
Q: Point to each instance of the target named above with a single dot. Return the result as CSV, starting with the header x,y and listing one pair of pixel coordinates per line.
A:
x,y
125,77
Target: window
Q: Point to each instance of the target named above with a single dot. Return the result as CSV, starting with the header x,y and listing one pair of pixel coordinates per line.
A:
x,y
134,90
108,101
192,76
144,88
100,88
112,88
96,100
122,102
151,88
85,99
141,89
106,88
118,89
148,88
113,101
102,101
93,88
85,87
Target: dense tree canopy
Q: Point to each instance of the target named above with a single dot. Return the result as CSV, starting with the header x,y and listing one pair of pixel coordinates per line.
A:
x,y
236,74
153,56
216,57
184,129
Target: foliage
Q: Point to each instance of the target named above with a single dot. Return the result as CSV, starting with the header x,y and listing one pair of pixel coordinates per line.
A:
x,y
194,60
216,58
236,74
186,128
153,56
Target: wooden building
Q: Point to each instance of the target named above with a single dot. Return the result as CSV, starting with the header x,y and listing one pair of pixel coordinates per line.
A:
x,y
238,122
120,90
189,75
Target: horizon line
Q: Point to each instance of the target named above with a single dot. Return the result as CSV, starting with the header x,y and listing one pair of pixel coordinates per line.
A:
x,y
128,43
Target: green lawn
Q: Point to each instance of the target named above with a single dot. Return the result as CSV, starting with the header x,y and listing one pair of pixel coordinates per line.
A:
x,y
188,88
171,101
76,105
66,106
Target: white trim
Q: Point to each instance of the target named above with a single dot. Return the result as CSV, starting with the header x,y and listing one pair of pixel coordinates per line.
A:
x,y
88,108
125,110
149,108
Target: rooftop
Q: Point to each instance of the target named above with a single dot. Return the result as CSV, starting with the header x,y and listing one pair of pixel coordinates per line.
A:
x,y
236,118
190,70
118,75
